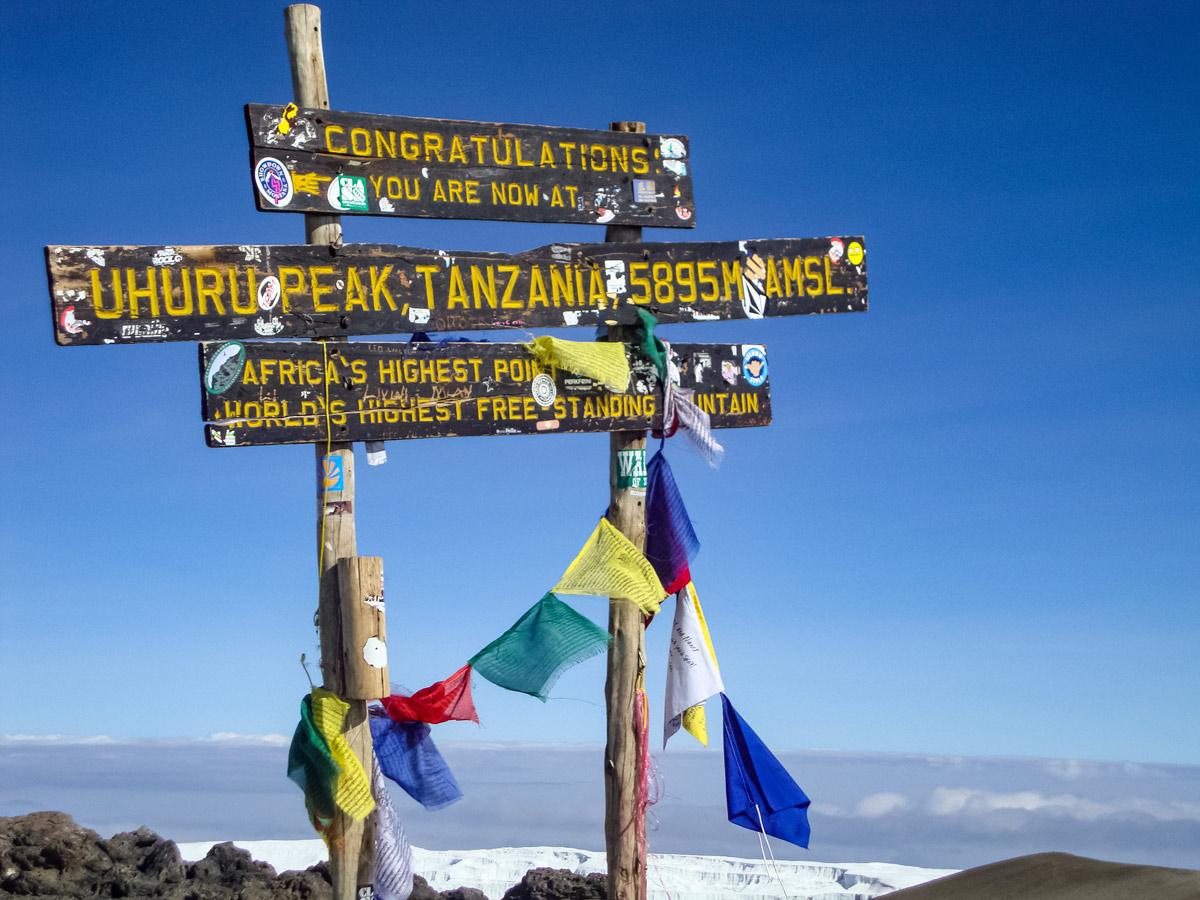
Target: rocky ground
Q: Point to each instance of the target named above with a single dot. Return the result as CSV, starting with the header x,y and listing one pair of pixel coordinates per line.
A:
x,y
45,854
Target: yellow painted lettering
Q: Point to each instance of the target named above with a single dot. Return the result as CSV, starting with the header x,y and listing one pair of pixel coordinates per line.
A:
x,y
829,288
382,143
251,302
330,130
816,285
458,291
118,301
639,280
204,292
150,292
356,297
318,289
772,286
360,147
731,273
537,287
563,285
506,302
291,281
433,147
379,287
410,147
487,289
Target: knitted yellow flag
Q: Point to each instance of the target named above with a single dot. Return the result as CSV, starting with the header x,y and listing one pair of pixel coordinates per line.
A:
x,y
610,566
353,792
602,361
693,717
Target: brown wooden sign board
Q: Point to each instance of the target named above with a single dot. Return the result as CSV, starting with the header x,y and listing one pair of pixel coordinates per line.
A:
x,y
276,392
103,295
345,163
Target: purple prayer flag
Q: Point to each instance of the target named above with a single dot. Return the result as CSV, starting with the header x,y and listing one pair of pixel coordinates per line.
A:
x,y
671,543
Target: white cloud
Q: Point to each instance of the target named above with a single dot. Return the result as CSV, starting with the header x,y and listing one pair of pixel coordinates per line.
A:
x,y
881,804
974,802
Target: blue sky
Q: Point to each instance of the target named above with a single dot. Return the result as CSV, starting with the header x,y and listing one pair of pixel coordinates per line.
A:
x,y
971,529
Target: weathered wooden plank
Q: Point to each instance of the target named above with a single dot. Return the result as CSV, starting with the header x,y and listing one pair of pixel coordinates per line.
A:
x,y
328,161
284,392
159,293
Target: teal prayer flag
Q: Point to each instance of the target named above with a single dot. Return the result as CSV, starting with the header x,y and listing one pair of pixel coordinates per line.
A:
x,y
545,642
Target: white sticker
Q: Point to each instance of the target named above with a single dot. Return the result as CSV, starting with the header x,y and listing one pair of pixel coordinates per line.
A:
x,y
375,653
274,181
544,390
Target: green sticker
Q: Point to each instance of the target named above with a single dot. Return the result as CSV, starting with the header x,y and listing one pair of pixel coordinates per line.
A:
x,y
352,192
631,469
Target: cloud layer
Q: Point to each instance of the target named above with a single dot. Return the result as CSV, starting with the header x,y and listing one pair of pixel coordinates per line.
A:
x,y
950,812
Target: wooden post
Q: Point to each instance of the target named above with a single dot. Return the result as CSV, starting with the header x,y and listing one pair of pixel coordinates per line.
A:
x,y
626,654
352,844
364,638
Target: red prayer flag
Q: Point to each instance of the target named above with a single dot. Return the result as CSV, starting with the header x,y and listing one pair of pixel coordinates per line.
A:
x,y
441,702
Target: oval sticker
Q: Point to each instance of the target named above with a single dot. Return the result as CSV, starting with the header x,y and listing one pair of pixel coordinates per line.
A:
x,y
225,367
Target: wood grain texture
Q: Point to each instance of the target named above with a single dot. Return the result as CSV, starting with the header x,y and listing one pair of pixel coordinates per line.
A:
x,y
360,595
139,294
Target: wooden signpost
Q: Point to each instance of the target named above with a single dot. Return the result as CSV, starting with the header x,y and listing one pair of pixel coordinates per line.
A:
x,y
162,293
282,392
323,160
309,159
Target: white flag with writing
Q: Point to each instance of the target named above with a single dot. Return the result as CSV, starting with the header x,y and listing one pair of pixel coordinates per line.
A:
x,y
692,674
393,874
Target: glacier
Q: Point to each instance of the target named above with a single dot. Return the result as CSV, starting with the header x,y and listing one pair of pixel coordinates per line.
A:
x,y
670,876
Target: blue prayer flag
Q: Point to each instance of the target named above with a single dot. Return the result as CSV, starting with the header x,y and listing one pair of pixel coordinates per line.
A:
x,y
759,792
407,755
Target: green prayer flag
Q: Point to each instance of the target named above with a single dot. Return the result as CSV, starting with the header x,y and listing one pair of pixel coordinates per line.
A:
x,y
652,346
310,764
545,642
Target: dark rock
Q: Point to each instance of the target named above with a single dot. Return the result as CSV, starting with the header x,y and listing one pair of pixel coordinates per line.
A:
x,y
558,884
229,865
422,890
47,855
464,893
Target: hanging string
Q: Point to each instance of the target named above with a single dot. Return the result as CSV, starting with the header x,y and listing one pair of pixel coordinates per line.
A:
x,y
762,838
641,722
304,666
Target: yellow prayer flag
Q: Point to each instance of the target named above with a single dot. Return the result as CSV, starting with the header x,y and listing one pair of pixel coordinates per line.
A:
x,y
353,793
609,565
602,361
691,589
695,724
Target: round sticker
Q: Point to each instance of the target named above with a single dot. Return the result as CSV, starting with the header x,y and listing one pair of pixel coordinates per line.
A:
x,y
268,293
836,250
754,366
274,181
225,367
854,253
544,390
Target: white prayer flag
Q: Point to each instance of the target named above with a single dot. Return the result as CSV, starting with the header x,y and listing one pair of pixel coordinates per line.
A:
x,y
692,674
393,874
